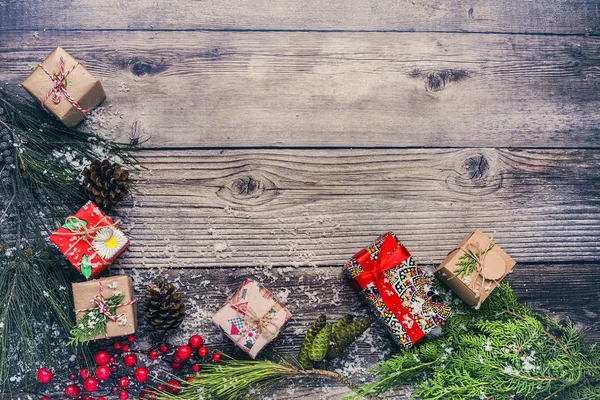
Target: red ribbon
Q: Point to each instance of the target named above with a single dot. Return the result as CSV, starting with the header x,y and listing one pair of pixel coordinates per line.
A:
x,y
391,254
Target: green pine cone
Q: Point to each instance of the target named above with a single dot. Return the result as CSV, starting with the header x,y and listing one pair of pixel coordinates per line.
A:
x,y
343,337
345,320
317,325
319,347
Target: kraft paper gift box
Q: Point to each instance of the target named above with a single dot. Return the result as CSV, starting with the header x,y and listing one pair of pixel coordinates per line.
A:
x,y
398,291
64,87
90,240
252,317
474,268
85,294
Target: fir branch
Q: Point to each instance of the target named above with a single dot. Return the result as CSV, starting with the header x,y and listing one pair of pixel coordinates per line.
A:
x,y
93,323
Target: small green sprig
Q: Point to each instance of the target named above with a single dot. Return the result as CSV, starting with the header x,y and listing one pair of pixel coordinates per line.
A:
x,y
468,262
93,324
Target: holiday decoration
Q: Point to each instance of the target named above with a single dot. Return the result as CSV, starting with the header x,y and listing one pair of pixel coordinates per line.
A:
x,y
90,240
163,307
323,340
252,317
44,375
399,292
105,182
40,160
112,311
503,351
64,87
474,268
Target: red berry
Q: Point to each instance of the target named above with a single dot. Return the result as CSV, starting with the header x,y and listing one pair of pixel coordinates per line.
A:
x,y
202,352
87,398
72,391
44,375
123,395
125,348
160,388
103,372
80,356
112,360
102,357
114,369
184,352
115,390
130,360
153,355
176,366
45,398
173,386
117,345
195,341
141,374
124,382
131,338
196,367
73,377
90,384
84,373
216,357
163,348
101,398
190,378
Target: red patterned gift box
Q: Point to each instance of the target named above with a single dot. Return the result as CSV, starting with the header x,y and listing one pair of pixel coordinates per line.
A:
x,y
90,240
252,317
400,294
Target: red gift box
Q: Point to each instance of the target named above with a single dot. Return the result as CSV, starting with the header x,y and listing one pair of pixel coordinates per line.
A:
x,y
90,240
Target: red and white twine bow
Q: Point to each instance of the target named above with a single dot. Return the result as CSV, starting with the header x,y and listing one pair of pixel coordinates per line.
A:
x,y
102,308
59,89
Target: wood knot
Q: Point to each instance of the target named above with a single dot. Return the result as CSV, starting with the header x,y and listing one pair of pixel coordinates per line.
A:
x,y
475,177
249,189
246,185
437,80
143,66
477,167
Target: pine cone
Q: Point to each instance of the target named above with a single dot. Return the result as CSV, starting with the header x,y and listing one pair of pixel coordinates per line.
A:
x,y
345,334
105,182
318,350
303,358
163,307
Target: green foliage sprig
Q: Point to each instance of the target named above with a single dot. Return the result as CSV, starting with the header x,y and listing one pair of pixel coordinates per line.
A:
x,y
93,324
40,162
468,262
503,351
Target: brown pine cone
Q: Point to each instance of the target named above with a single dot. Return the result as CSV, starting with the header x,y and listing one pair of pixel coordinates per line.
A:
x,y
163,307
106,183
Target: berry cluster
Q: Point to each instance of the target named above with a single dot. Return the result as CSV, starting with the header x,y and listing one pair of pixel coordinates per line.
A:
x,y
118,371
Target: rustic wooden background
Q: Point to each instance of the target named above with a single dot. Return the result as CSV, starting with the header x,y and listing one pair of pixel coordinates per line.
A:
x,y
282,136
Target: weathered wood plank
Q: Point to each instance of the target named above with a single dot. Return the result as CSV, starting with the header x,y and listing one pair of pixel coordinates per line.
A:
x,y
308,207
553,16
313,89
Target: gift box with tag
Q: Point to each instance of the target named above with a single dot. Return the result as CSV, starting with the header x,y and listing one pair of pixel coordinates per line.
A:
x,y
474,268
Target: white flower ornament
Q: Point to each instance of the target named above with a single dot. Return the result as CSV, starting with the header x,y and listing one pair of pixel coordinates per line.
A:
x,y
108,242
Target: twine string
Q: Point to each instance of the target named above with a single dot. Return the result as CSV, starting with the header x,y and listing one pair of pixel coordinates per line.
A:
x,y
83,233
101,306
479,259
59,89
264,324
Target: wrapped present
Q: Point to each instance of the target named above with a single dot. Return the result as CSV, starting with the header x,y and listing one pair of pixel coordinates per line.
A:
x,y
104,308
64,87
400,294
90,240
252,317
475,267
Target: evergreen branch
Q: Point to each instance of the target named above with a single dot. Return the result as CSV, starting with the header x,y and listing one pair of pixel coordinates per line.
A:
x,y
93,324
468,262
